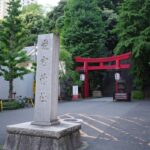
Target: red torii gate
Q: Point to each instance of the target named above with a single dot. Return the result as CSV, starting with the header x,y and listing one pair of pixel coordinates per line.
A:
x,y
114,63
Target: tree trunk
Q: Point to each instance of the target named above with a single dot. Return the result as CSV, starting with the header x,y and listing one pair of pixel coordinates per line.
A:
x,y
10,89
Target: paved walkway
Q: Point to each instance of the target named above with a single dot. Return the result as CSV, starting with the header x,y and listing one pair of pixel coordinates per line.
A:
x,y
106,125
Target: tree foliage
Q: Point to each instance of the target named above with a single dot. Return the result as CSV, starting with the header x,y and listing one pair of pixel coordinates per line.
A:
x,y
54,19
68,77
32,8
109,4
109,16
83,31
133,29
34,21
13,38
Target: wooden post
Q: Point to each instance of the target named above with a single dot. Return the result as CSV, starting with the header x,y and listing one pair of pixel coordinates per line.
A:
x,y
1,105
86,81
116,87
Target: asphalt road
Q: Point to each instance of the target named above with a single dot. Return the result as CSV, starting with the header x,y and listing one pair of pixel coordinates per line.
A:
x,y
106,125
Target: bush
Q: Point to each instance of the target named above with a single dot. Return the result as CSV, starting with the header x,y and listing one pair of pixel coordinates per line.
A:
x,y
12,104
1,147
137,95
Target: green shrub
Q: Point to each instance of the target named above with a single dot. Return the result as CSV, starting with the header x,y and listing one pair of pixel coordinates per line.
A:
x,y
137,95
12,104
1,147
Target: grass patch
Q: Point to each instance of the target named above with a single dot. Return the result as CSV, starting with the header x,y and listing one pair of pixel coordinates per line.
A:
x,y
1,147
137,95
11,104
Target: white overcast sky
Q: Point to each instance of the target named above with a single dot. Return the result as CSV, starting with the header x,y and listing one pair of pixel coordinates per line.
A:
x,y
50,2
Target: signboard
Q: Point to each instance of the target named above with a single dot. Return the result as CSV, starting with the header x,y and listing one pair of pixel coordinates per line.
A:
x,y
75,90
117,76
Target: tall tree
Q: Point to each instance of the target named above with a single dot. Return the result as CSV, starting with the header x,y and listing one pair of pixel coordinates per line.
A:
x,y
34,23
133,29
109,4
83,31
109,15
55,18
13,38
32,8
33,19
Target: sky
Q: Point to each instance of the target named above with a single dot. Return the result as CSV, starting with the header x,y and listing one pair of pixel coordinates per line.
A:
x,y
50,2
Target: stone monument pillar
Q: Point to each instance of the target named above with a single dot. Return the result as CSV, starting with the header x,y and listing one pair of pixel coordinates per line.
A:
x,y
47,80
45,132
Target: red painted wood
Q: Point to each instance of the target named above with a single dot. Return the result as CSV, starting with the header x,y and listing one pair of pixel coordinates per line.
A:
x,y
90,68
116,60
116,87
105,59
86,81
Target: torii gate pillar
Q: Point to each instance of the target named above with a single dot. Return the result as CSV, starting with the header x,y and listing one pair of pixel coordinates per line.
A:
x,y
86,81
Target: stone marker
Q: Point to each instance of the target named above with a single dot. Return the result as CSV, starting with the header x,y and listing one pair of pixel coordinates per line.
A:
x,y
47,80
45,132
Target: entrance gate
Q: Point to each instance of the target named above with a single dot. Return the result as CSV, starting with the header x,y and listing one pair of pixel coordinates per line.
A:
x,y
106,63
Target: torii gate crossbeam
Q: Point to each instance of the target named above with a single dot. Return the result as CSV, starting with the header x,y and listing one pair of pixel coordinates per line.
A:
x,y
106,63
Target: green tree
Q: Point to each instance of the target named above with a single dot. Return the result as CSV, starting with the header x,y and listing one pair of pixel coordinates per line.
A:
x,y
33,9
109,4
33,19
133,29
83,31
13,38
69,73
68,77
109,15
54,19
34,23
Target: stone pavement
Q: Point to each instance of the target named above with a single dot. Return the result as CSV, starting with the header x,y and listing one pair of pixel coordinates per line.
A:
x,y
106,125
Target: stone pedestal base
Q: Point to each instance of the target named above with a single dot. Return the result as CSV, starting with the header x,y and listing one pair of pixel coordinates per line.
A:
x,y
26,136
97,94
